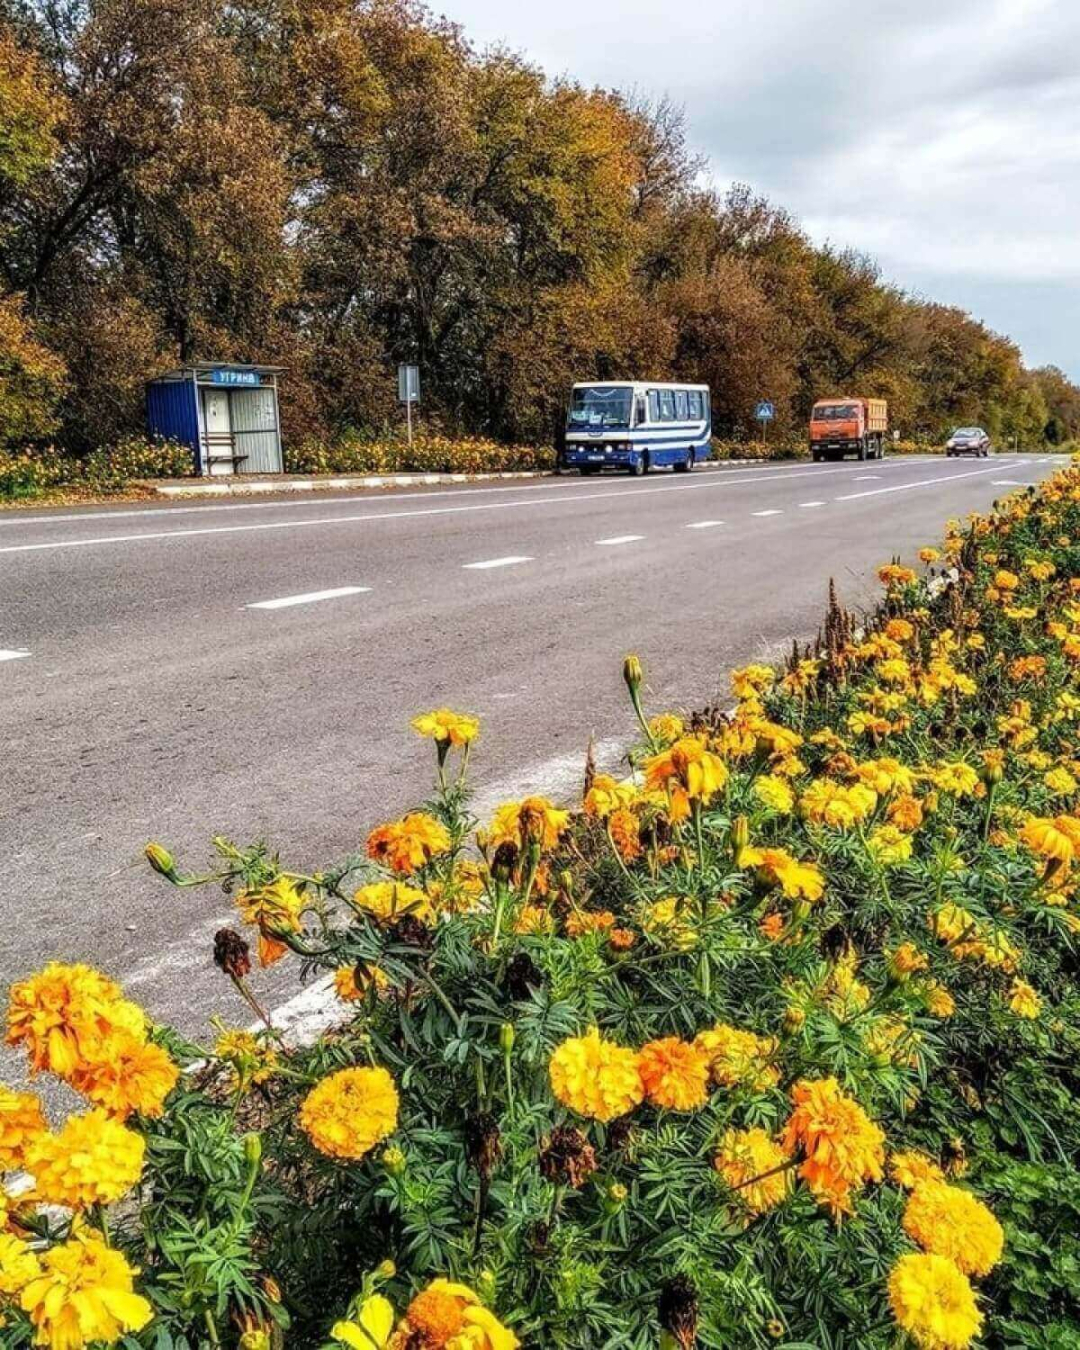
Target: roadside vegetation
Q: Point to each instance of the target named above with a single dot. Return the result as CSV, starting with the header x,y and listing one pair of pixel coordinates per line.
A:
x,y
364,187
772,1041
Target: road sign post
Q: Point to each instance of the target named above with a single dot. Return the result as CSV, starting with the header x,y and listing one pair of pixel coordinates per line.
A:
x,y
765,412
408,383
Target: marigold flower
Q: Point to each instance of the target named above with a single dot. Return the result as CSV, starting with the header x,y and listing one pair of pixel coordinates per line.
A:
x,y
738,1058
18,1266
776,867
910,1169
389,901
1006,581
408,844
826,802
892,575
371,1328
774,793
840,1144
92,1160
252,1059
675,1074
448,1316
513,821
595,1077
21,1121
606,795
349,1112
951,1222
134,1080
1060,781
1057,838
625,834
689,771
905,812
751,681
665,728
83,1295
888,846
274,909
752,1164
65,1015
955,777
933,1302
443,725
1023,1000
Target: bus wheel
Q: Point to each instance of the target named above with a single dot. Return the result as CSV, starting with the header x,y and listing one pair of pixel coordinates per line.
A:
x,y
637,465
687,464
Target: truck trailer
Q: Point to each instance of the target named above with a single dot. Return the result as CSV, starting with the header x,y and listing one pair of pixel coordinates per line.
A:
x,y
848,426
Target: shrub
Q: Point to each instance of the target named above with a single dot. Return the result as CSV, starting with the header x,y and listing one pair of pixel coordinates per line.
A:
x,y
763,450
773,1041
428,454
28,473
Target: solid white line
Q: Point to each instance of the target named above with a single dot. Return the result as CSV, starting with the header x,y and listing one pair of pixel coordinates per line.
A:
x,y
12,653
772,512
714,480
805,505
703,524
621,539
496,562
286,600
922,482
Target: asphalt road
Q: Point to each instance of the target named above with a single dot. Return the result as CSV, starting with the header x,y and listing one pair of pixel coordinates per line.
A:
x,y
158,700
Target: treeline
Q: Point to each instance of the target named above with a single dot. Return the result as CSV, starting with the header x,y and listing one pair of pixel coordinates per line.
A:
x,y
340,185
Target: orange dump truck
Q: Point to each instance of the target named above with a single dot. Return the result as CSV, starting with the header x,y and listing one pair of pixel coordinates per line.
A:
x,y
848,426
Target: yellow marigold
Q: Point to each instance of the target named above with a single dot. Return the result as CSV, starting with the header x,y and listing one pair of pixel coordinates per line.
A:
x,y
667,921
752,680
534,817
534,919
827,802
776,867
955,777
905,812
688,771
351,983
841,1146
892,575
92,1160
65,1016
134,1080
885,775
348,1113
83,1295
1006,581
450,727
1057,838
752,1164
581,921
18,1266
1060,781
391,900
252,1058
448,1316
774,793
929,555
606,795
889,846
666,728
408,844
275,910
595,1077
1023,1000
933,1302
951,922
21,1122
906,961
910,1169
675,1074
738,1058
951,1222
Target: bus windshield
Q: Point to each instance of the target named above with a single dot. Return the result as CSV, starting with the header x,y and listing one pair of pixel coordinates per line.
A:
x,y
599,406
836,412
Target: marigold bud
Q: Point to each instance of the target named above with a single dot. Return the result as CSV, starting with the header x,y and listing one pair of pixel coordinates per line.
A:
x,y
386,1270
506,1037
740,833
632,673
271,1288
794,1020
161,860
394,1160
253,1149
617,1193
483,1142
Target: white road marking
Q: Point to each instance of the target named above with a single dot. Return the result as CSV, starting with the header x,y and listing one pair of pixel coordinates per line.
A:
x,y
620,539
715,480
806,505
867,478
496,562
703,524
922,482
12,653
772,512
1005,482
286,600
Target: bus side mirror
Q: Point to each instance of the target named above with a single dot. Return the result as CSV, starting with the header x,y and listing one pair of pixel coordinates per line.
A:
x,y
639,413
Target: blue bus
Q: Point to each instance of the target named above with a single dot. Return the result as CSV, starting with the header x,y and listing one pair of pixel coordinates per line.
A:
x,y
634,426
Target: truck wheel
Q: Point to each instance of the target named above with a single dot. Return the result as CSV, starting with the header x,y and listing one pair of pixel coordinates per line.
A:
x,y
815,455
862,450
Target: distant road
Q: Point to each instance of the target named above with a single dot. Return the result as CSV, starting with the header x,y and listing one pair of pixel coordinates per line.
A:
x,y
250,668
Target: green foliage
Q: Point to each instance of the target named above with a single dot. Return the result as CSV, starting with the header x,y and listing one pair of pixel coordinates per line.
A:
x,y
28,473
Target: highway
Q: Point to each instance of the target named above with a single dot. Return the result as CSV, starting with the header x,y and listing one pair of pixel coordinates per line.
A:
x,y
250,668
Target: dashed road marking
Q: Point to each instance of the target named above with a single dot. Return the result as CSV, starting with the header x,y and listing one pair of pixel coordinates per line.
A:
x,y
1005,482
283,602
496,562
12,653
620,539
806,505
703,524
866,478
773,511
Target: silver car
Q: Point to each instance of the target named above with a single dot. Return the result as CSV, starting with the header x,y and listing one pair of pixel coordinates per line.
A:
x,y
968,441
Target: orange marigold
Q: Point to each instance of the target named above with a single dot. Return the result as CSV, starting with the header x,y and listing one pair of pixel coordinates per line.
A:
x,y
841,1146
675,1074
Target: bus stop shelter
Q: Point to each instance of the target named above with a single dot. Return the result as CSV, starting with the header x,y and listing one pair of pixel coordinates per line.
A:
x,y
227,413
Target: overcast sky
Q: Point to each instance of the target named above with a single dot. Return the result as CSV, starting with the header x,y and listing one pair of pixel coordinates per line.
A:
x,y
942,136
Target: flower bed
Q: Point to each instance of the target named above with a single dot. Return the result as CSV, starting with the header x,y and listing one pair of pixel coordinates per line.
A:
x,y
773,1043
31,473
429,453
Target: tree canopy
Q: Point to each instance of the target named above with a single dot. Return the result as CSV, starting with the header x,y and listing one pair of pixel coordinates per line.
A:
x,y
340,185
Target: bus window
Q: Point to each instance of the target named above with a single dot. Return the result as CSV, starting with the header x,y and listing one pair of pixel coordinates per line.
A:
x,y
680,405
667,405
639,410
693,405
654,406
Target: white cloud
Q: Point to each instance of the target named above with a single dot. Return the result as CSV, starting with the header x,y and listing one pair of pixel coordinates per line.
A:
x,y
943,136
